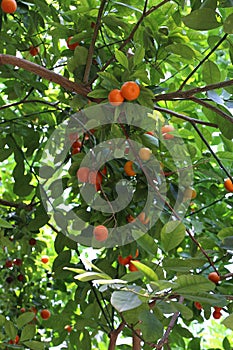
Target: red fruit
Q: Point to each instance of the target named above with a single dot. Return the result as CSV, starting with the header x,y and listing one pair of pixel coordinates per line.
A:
x,y
22,309
15,341
20,277
83,174
130,218
75,150
77,144
217,315
17,262
68,328
33,309
228,185
45,314
95,178
100,233
166,129
9,279
197,305
104,171
132,267
45,259
214,277
71,46
130,90
32,241
217,308
73,137
9,6
124,261
34,50
8,263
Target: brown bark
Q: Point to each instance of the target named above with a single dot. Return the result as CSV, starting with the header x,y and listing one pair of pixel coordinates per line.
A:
x,y
136,340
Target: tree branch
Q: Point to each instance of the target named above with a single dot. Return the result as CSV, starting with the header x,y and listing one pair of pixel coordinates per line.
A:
x,y
44,73
203,60
92,45
113,335
136,340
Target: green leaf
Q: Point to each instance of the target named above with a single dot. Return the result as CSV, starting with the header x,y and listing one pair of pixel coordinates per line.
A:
x,y
123,300
228,24
192,284
28,332
181,50
2,320
89,276
151,327
24,319
146,242
228,321
147,271
122,59
202,19
5,224
139,55
183,265
10,329
34,345
98,93
210,72
225,232
172,235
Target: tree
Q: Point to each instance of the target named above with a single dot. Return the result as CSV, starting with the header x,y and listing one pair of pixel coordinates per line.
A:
x,y
126,199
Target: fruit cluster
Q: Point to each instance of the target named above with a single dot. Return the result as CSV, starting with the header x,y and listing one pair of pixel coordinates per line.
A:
x,y
93,177
128,261
129,91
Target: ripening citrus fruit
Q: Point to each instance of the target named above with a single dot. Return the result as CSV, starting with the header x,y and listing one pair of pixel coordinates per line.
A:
x,y
197,305
132,267
8,6
115,97
83,174
145,153
128,168
214,277
73,45
217,315
228,185
100,233
130,90
142,217
166,129
34,50
124,261
45,314
189,193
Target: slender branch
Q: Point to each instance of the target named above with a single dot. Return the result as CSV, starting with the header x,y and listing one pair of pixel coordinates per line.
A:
x,y
127,40
212,152
213,108
113,335
164,339
92,45
206,207
44,73
184,117
202,61
136,340
30,101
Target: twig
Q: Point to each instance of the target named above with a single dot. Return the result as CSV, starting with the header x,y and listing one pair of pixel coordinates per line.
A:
x,y
203,60
30,101
185,117
206,207
164,339
92,45
44,73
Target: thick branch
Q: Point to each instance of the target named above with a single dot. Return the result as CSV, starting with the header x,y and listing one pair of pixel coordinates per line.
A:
x,y
189,93
136,340
44,73
114,334
92,45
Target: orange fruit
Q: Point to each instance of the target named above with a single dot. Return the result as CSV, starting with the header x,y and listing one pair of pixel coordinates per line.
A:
x,y
197,305
217,315
128,168
130,90
45,259
145,153
142,217
75,150
83,174
217,308
130,218
45,314
228,185
132,267
8,6
34,50
189,193
100,233
214,277
115,97
71,46
124,261
68,328
166,129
